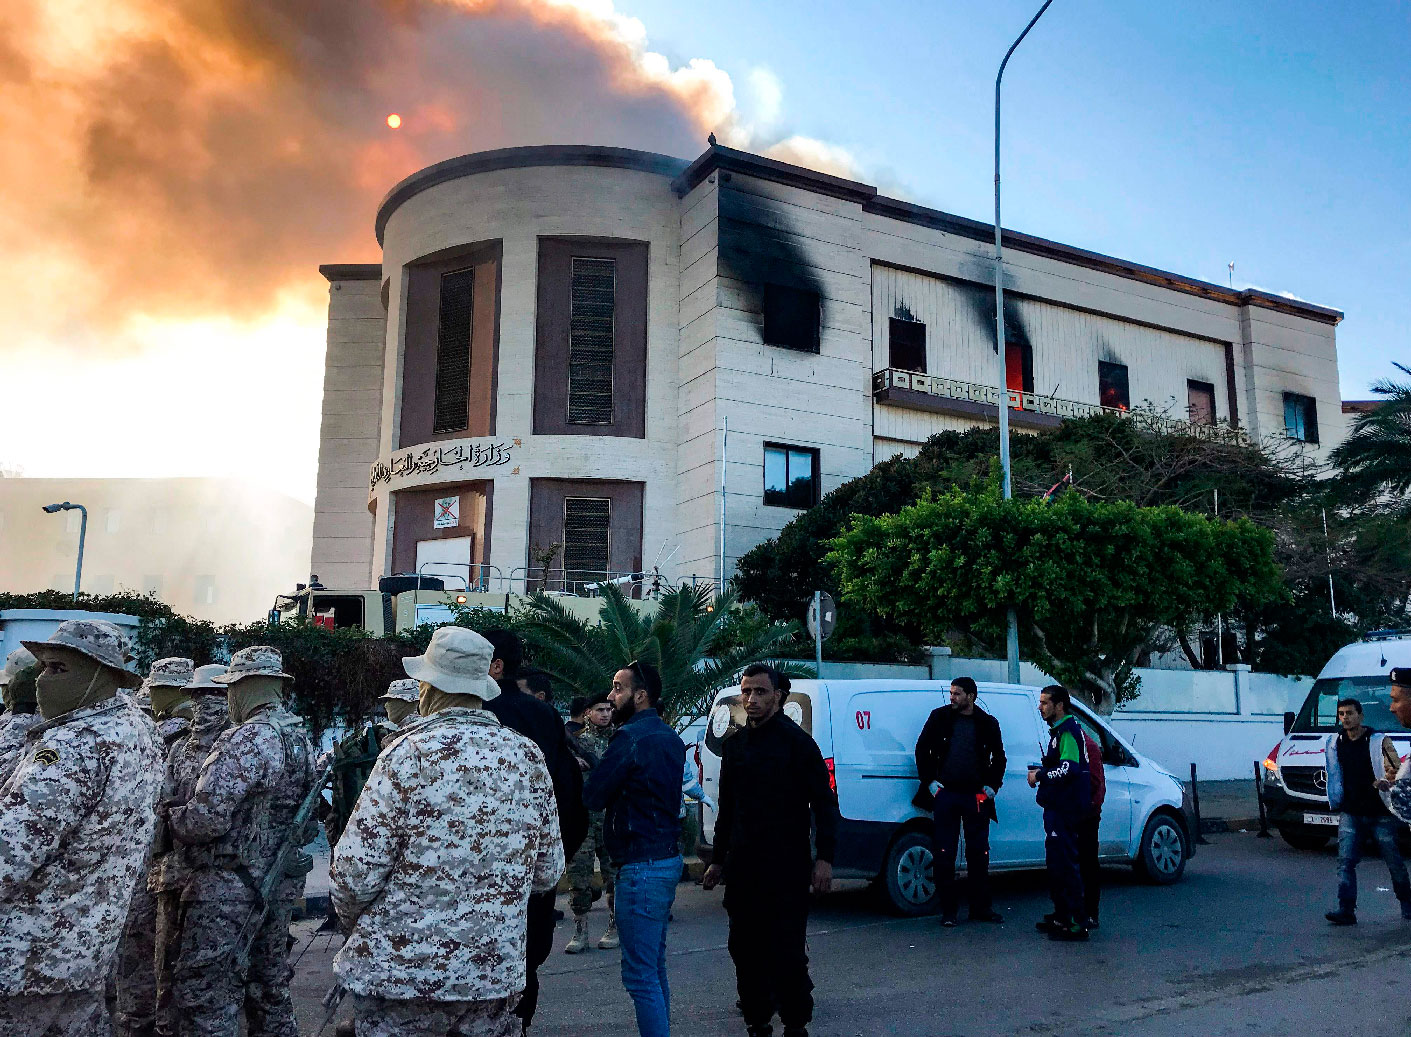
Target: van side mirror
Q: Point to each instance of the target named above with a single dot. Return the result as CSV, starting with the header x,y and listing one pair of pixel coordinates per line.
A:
x,y
1289,718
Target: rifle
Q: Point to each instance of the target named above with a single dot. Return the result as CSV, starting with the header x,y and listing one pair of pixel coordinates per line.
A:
x,y
331,1001
292,842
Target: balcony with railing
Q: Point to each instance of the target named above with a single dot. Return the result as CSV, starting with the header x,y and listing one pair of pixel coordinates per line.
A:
x,y
941,395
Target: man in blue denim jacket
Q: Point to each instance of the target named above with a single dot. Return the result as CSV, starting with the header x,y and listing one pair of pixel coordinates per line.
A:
x,y
638,784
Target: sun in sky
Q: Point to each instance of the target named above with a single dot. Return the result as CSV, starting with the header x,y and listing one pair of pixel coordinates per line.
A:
x,y
394,121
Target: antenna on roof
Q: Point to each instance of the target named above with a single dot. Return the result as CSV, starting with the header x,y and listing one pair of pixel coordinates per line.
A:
x,y
1232,273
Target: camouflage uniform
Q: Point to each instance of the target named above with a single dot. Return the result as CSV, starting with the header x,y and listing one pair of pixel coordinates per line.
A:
x,y
14,729
580,869
169,872
454,829
231,830
76,822
136,981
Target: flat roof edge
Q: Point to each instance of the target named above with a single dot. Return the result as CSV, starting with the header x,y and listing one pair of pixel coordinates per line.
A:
x,y
520,158
909,212
719,157
351,271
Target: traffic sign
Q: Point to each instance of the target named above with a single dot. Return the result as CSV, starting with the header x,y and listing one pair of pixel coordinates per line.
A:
x,y
822,606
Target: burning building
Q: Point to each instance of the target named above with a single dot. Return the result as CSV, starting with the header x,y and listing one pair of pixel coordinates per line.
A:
x,y
577,362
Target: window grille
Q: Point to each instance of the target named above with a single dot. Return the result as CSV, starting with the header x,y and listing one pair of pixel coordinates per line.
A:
x,y
586,524
452,406
593,292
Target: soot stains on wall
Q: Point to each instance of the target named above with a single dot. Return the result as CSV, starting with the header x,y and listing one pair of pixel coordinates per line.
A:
x,y
758,246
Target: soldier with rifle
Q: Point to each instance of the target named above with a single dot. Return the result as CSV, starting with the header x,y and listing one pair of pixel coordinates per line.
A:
x,y
353,757
240,830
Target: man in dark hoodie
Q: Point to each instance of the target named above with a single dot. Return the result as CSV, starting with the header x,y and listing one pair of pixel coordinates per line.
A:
x,y
773,787
1065,793
540,723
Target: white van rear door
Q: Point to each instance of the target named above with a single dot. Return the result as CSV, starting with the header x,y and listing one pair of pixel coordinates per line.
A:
x,y
874,740
1018,839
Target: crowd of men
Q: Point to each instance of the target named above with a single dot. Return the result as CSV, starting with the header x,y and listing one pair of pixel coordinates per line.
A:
x,y
149,857
151,834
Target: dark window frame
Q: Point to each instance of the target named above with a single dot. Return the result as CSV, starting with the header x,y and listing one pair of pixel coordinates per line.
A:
x,y
815,477
781,305
579,573
1310,417
553,319
907,328
1105,367
1193,386
578,403
450,397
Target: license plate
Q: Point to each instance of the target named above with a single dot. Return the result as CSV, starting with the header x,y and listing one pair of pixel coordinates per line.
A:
x,y
1320,819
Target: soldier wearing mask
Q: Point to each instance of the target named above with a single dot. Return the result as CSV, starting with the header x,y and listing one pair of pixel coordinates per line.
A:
x,y
591,742
76,823
169,872
353,757
17,682
165,688
231,829
432,878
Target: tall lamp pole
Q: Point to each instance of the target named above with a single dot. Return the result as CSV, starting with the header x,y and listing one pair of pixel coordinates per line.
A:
x,y
1012,635
82,532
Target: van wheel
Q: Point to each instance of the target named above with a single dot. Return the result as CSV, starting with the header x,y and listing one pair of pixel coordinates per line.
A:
x,y
1164,851
1303,840
909,877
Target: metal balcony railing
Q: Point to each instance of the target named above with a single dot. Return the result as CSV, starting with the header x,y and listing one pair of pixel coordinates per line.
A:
x,y
971,392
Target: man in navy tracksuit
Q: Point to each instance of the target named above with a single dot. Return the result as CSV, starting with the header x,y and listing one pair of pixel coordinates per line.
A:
x,y
1065,793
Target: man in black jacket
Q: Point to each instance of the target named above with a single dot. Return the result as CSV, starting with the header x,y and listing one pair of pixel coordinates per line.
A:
x,y
773,783
540,723
960,765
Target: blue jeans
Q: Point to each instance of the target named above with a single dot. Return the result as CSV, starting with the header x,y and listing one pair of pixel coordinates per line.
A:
x,y
645,892
1352,830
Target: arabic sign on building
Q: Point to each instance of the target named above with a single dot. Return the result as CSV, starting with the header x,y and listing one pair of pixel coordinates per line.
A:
x,y
457,457
448,513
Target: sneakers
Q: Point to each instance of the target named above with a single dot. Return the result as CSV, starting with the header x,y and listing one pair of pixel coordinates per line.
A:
x,y
1046,924
1344,916
609,941
948,921
579,943
1068,933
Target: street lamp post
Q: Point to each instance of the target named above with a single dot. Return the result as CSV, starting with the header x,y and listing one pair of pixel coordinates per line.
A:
x,y
82,532
1012,634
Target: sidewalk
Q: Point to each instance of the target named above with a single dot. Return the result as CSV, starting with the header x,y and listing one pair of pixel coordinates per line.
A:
x,y
1228,806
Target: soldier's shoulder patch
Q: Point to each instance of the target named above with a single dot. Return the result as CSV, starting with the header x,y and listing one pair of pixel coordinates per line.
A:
x,y
46,756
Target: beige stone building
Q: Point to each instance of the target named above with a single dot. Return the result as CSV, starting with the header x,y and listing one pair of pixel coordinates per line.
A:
x,y
217,549
575,361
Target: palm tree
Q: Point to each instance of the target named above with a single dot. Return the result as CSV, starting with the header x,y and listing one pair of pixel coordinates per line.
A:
x,y
681,637
1376,456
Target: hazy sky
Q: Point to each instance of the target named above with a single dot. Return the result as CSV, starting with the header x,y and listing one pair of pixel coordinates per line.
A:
x,y
177,169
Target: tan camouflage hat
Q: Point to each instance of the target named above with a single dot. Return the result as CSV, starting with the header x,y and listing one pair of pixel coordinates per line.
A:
x,y
404,690
98,639
204,679
457,661
15,662
170,673
256,661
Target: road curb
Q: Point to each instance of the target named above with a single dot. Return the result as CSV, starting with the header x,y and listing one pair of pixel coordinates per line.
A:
x,y
1217,825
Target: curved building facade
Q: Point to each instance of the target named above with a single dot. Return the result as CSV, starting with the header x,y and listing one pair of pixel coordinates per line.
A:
x,y
575,363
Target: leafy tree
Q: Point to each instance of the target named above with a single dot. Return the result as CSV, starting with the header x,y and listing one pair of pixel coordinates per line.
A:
x,y
685,637
142,606
1093,582
1375,457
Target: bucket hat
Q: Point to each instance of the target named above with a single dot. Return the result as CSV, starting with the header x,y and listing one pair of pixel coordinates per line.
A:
x,y
256,661
457,661
170,673
204,679
98,639
15,662
404,690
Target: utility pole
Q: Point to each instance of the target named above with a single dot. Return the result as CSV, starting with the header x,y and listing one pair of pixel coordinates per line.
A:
x,y
1012,636
82,533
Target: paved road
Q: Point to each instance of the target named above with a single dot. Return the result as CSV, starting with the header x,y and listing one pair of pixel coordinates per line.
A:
x,y
1238,947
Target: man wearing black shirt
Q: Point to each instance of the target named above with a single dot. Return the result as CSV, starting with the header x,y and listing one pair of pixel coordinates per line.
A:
x,y
960,765
773,783
540,723
1354,766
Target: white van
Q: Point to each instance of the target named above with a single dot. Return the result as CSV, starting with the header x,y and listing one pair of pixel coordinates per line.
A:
x,y
867,731
1294,780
